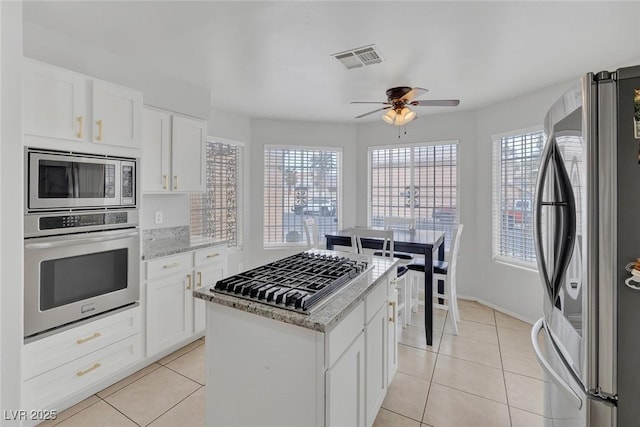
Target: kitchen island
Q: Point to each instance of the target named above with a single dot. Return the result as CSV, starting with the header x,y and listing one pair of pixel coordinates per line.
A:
x,y
269,366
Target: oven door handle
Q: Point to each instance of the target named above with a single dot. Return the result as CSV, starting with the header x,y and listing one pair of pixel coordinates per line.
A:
x,y
70,242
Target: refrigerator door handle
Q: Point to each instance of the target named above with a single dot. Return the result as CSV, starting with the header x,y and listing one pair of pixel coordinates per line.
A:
x,y
538,230
547,367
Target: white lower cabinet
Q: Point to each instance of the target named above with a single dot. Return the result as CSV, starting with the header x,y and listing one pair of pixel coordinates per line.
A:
x,y
334,379
61,365
345,385
169,312
173,315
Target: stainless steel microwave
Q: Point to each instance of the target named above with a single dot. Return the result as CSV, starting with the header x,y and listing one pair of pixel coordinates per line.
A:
x,y
58,180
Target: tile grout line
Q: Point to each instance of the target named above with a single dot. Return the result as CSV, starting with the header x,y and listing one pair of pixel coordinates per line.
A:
x,y
433,372
185,398
504,379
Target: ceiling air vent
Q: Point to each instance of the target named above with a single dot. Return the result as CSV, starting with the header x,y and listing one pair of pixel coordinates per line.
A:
x,y
356,58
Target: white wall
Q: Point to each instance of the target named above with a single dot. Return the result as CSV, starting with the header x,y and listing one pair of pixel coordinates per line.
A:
x,y
514,289
282,132
445,126
159,90
11,205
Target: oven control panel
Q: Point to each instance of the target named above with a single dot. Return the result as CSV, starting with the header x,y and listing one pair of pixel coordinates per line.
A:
x,y
83,220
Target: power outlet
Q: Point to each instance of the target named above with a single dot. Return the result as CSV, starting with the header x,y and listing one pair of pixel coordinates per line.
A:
x,y
158,219
240,267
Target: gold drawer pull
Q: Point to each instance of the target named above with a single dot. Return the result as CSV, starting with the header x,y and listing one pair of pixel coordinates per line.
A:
x,y
189,279
84,340
393,304
94,367
175,182
213,255
175,264
199,279
164,182
99,138
80,126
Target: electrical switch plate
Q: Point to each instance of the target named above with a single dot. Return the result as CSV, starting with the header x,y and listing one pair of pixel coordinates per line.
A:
x,y
158,219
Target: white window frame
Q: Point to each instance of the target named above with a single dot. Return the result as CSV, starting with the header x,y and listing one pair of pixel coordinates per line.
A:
x,y
303,243
455,142
241,197
496,217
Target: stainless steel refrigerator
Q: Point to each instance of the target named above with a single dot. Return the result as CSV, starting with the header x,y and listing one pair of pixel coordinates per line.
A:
x,y
587,235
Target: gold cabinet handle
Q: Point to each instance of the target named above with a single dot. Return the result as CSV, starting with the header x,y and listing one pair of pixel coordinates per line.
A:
x,y
189,282
86,371
175,264
80,126
164,182
99,138
199,279
213,255
175,182
393,305
84,340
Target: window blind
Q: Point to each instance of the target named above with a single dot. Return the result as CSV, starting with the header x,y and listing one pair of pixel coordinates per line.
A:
x,y
300,183
215,213
417,181
516,163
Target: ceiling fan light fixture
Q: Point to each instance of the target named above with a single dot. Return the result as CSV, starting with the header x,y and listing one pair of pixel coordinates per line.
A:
x,y
390,117
404,116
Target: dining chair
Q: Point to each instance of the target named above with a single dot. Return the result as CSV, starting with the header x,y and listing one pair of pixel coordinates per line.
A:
x,y
357,234
311,231
442,270
400,223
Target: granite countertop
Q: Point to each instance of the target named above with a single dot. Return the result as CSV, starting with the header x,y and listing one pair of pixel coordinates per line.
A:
x,y
161,242
322,318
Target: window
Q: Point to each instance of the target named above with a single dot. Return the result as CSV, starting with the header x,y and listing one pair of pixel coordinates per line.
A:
x,y
215,213
299,183
415,181
516,161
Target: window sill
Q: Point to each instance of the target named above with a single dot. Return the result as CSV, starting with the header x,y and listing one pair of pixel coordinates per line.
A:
x,y
516,264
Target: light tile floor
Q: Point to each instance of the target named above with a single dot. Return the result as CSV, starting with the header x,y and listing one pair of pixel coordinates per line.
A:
x,y
485,376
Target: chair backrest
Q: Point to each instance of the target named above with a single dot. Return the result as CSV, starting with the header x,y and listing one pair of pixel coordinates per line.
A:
x,y
453,253
311,231
358,233
399,223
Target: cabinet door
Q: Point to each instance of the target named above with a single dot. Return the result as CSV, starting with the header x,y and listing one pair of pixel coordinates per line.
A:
x,y
169,312
376,334
392,342
117,115
156,150
188,139
207,276
54,102
345,388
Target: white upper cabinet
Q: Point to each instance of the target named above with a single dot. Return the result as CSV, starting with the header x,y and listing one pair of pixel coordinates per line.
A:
x,y
173,152
188,139
156,150
70,106
116,115
54,102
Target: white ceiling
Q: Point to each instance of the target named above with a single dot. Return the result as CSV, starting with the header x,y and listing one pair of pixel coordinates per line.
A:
x,y
272,59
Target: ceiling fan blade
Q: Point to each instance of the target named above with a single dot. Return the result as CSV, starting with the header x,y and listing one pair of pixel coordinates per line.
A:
x,y
414,93
369,102
436,103
374,111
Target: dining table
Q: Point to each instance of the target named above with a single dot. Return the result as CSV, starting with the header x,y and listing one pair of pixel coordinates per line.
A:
x,y
420,242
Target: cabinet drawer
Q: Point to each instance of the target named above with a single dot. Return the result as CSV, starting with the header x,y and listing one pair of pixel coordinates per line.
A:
x,y
169,265
57,384
208,256
50,352
343,335
375,299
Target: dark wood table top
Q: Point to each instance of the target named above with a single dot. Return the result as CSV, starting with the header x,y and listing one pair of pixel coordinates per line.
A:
x,y
431,238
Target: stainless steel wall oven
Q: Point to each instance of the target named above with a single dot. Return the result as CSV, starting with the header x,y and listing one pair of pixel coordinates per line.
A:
x,y
81,254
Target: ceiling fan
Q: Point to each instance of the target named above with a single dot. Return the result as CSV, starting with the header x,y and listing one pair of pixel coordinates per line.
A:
x,y
398,100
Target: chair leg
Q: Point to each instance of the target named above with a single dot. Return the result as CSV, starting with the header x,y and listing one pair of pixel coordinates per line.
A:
x,y
452,320
406,292
415,286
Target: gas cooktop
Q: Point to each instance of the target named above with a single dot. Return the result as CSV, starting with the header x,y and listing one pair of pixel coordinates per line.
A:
x,y
295,283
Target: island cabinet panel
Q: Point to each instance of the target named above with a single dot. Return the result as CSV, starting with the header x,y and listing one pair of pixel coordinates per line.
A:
x,y
346,387
262,371
269,367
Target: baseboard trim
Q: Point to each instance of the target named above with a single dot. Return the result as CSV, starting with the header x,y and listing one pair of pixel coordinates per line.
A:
x,y
498,308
